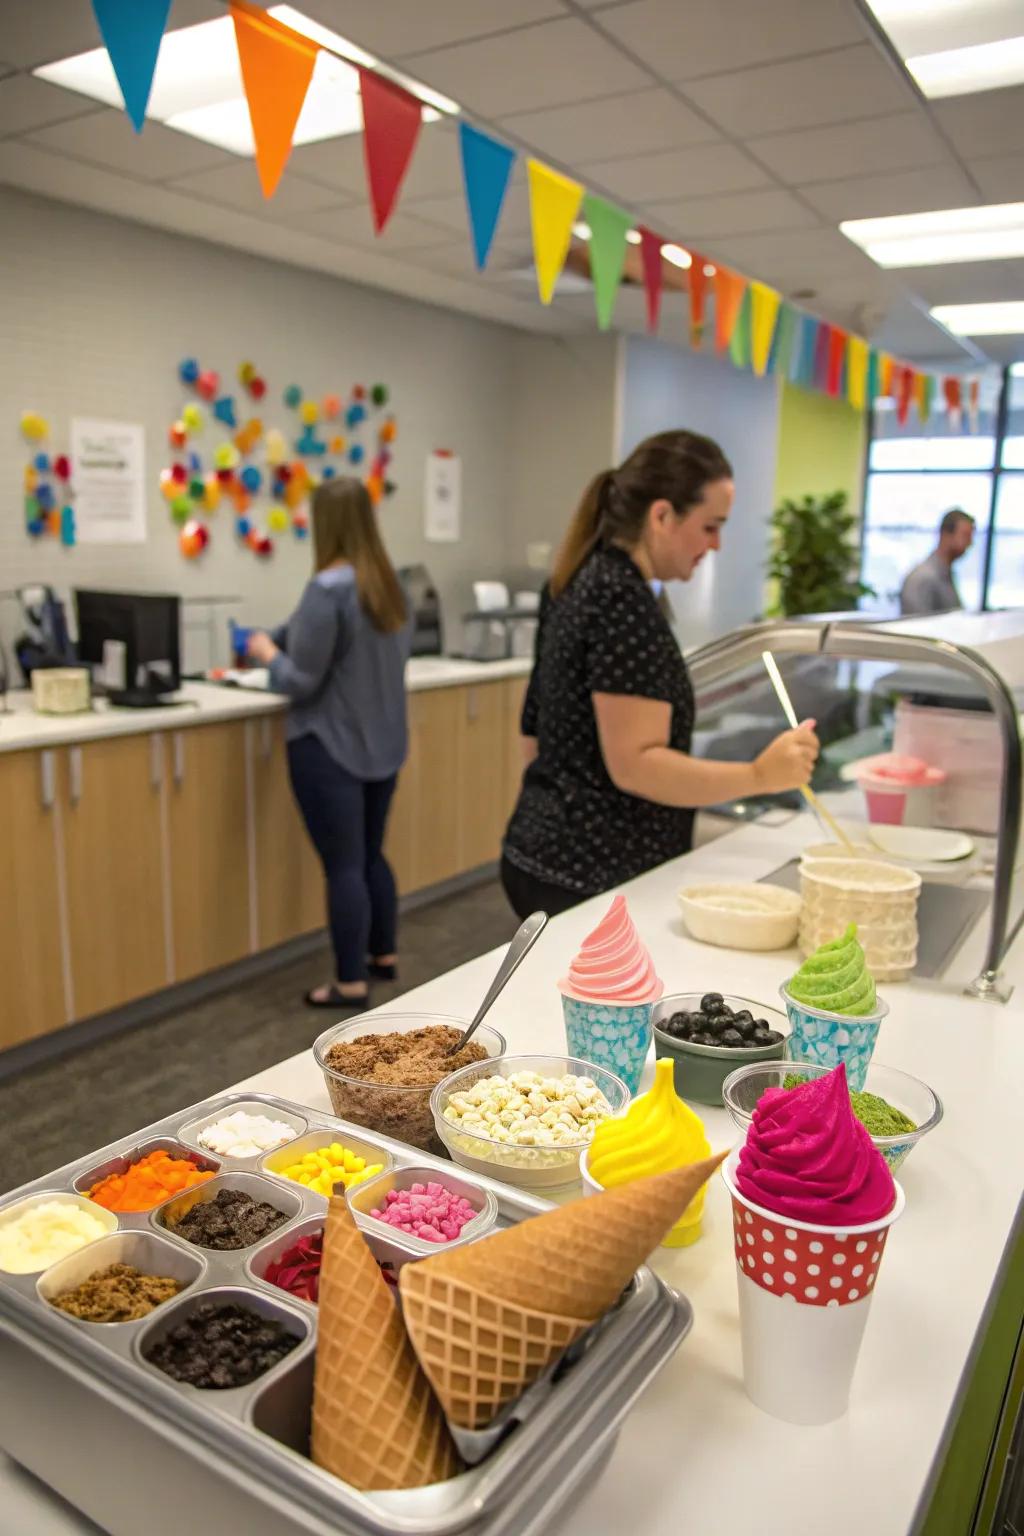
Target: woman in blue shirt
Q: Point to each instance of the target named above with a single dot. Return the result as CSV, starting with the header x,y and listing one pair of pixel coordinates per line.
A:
x,y
341,661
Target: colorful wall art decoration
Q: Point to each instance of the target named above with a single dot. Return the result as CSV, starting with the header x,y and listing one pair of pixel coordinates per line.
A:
x,y
49,511
224,457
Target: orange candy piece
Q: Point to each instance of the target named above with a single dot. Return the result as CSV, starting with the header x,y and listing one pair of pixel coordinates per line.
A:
x,y
148,1182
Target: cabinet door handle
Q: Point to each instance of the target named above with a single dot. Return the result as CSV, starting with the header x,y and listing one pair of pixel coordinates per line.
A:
x,y
47,780
156,760
472,705
75,767
179,758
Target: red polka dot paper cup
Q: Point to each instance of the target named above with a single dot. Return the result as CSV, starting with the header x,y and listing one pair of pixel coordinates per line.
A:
x,y
804,1294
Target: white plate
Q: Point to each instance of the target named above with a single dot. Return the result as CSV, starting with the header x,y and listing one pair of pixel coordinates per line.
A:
x,y
929,845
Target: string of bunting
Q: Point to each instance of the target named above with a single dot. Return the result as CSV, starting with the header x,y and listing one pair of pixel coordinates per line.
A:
x,y
752,325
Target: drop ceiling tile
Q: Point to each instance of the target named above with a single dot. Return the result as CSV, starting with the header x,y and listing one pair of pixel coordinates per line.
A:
x,y
107,138
876,197
540,66
403,27
974,282
986,123
27,103
450,212
340,163
353,226
704,37
39,31
708,168
831,87
702,217
1001,179
880,144
795,260
337,163
641,122
238,186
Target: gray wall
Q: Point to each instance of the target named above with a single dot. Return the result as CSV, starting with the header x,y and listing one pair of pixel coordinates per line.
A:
x,y
662,387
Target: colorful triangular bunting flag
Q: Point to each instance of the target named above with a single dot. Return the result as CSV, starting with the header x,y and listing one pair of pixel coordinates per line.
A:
x,y
856,371
729,291
277,66
132,31
698,286
391,126
787,333
486,168
608,229
836,360
764,312
554,204
650,256
739,341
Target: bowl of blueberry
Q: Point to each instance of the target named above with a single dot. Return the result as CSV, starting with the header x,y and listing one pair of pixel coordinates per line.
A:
x,y
708,1035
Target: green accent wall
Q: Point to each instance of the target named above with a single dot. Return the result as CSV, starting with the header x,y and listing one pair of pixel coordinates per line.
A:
x,y
821,446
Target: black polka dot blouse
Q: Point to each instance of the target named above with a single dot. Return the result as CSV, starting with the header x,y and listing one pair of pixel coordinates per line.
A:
x,y
572,827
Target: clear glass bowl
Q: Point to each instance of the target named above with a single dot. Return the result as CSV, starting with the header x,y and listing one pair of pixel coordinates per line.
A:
x,y
399,1110
743,1088
527,1167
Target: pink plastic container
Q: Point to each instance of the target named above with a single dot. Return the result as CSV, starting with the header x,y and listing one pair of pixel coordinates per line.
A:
x,y
899,791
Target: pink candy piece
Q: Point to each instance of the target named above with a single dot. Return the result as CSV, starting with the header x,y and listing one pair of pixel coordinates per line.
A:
x,y
429,1211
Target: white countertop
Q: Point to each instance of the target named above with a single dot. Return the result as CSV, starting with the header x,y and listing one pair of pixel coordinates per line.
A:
x,y
204,703
695,1453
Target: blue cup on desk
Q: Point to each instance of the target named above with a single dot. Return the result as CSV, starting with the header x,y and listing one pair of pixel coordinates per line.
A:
x,y
239,642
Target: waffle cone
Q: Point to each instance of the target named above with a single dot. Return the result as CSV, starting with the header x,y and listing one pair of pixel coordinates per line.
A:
x,y
376,1422
489,1318
576,1260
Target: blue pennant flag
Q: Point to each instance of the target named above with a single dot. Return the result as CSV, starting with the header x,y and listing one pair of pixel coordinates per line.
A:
x,y
132,32
486,168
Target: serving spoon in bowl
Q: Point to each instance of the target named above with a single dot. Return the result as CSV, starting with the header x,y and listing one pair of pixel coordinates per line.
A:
x,y
523,941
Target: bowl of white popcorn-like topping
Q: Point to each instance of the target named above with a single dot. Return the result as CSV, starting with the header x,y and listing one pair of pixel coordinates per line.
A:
x,y
525,1119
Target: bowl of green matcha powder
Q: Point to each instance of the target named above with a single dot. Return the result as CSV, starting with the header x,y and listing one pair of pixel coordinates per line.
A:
x,y
895,1108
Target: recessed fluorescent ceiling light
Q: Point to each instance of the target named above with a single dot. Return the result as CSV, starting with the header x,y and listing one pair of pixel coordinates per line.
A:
x,y
952,47
197,86
677,256
982,319
992,233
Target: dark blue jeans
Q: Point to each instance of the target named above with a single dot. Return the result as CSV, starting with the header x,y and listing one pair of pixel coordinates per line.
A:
x,y
345,818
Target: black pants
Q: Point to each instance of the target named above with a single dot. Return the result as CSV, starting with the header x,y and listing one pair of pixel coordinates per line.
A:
x,y
345,818
526,895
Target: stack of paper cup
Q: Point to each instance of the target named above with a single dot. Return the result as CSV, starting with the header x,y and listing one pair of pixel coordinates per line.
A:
x,y
804,1293
880,898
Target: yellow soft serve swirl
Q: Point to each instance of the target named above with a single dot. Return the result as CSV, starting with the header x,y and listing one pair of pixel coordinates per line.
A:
x,y
656,1134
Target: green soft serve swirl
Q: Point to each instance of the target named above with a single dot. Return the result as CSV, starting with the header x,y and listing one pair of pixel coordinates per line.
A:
x,y
835,979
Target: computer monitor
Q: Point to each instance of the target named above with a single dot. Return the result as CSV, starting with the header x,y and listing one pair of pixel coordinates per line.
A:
x,y
134,638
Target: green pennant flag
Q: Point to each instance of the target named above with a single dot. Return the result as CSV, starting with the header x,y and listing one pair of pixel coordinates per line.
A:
x,y
739,343
782,342
608,229
871,388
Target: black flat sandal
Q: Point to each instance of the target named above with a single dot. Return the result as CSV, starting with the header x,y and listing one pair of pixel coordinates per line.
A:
x,y
382,972
336,1000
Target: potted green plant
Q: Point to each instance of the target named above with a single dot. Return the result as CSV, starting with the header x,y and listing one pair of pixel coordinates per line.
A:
x,y
814,559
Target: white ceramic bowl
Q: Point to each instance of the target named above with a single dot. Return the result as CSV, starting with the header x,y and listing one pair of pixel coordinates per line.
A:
x,y
740,916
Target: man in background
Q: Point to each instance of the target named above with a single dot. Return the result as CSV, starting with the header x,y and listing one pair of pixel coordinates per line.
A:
x,y
929,587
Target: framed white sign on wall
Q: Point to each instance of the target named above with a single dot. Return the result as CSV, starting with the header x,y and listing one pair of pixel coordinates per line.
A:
x,y
442,498
109,459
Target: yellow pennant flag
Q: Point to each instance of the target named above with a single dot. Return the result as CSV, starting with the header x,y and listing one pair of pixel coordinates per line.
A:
x,y
554,204
856,371
764,311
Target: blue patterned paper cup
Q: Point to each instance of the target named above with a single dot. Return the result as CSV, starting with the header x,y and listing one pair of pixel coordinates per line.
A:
x,y
826,1039
612,1035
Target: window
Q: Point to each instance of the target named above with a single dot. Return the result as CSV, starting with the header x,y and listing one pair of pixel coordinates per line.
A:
x,y
918,472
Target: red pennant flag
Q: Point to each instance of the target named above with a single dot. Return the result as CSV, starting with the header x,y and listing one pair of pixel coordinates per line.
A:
x,y
650,252
836,359
953,396
391,126
698,291
277,66
903,379
822,353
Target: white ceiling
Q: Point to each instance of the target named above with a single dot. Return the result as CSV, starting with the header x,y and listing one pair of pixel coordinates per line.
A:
x,y
748,127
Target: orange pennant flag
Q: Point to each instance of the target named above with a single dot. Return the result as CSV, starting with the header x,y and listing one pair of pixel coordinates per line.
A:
x,y
885,375
729,291
698,282
277,66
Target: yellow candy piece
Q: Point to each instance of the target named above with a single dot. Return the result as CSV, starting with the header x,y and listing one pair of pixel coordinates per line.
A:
x,y
34,426
31,478
309,412
227,456
192,416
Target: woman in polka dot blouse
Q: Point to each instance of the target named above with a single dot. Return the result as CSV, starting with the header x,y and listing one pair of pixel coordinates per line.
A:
x,y
610,787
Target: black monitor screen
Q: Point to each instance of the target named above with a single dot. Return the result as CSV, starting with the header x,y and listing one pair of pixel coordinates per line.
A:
x,y
140,632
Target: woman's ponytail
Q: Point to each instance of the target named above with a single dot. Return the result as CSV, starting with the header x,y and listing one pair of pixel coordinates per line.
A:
x,y
582,534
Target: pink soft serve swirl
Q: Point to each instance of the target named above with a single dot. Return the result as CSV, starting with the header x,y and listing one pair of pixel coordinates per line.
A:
x,y
808,1156
613,966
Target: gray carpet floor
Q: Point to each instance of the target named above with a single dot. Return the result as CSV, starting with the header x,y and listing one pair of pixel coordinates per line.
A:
x,y
63,1109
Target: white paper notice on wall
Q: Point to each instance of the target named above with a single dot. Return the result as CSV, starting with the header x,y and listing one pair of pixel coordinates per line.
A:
x,y
108,461
442,497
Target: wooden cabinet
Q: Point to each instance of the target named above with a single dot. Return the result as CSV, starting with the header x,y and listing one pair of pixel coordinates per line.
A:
x,y
32,972
431,801
207,846
111,809
481,773
289,878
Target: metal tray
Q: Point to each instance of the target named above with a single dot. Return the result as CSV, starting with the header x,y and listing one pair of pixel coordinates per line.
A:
x,y
74,1390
